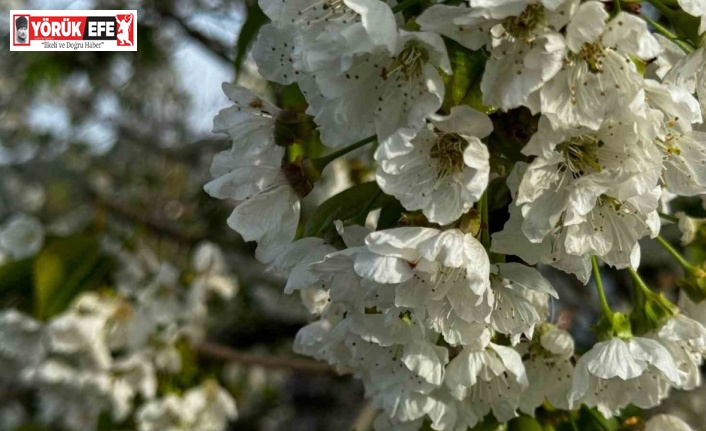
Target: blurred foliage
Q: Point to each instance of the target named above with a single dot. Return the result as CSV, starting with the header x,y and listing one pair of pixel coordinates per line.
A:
x,y
65,267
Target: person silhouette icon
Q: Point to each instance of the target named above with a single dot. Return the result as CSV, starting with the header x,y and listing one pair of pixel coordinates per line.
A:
x,y
124,30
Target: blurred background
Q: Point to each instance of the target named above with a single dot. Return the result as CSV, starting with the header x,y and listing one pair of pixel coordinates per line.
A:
x,y
110,152
114,145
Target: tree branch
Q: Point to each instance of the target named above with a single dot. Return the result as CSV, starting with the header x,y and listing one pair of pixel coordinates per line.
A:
x,y
220,50
276,362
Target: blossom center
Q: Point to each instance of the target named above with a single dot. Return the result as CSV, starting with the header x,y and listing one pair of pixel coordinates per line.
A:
x,y
580,154
328,11
410,62
448,151
592,54
522,26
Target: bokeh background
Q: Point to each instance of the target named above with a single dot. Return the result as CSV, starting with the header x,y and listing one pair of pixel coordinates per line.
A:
x,y
118,145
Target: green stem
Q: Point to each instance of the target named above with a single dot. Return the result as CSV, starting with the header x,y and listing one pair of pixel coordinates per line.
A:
x,y
599,287
668,217
618,6
404,5
321,162
668,34
484,220
638,281
683,262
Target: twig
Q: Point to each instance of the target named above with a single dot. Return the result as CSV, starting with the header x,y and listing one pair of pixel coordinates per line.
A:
x,y
365,418
217,48
277,362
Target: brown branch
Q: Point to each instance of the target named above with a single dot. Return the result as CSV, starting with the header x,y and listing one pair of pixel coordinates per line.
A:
x,y
215,47
276,362
366,417
185,238
188,154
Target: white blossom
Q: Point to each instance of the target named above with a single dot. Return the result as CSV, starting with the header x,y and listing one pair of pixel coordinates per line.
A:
x,y
250,173
617,372
21,236
666,423
442,170
549,371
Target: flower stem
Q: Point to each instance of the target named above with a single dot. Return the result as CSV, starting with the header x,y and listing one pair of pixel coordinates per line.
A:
x,y
599,287
322,162
668,34
638,280
404,5
683,262
668,217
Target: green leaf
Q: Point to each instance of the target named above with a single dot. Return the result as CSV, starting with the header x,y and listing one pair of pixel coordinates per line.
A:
x,y
592,420
390,215
524,423
255,19
511,132
343,206
463,85
686,26
16,284
489,424
64,268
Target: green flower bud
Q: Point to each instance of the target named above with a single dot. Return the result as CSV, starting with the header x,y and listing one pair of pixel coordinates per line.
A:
x,y
652,312
613,325
694,284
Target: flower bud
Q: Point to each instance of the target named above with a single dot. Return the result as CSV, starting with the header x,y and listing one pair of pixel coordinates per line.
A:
x,y
652,312
690,228
613,325
694,284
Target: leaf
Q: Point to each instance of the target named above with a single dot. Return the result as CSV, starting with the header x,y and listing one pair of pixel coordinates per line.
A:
x,y
524,423
343,206
64,268
488,424
390,215
463,85
255,19
16,283
511,132
592,420
686,26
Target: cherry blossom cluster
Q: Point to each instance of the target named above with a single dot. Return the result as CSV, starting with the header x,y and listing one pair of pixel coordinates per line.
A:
x,y
441,321
107,352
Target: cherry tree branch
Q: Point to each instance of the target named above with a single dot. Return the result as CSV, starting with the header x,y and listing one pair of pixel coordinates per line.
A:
x,y
217,351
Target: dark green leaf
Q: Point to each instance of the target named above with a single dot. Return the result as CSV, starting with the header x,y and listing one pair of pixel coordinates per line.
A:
x,y
64,268
390,215
16,283
686,26
255,19
343,206
524,423
463,85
